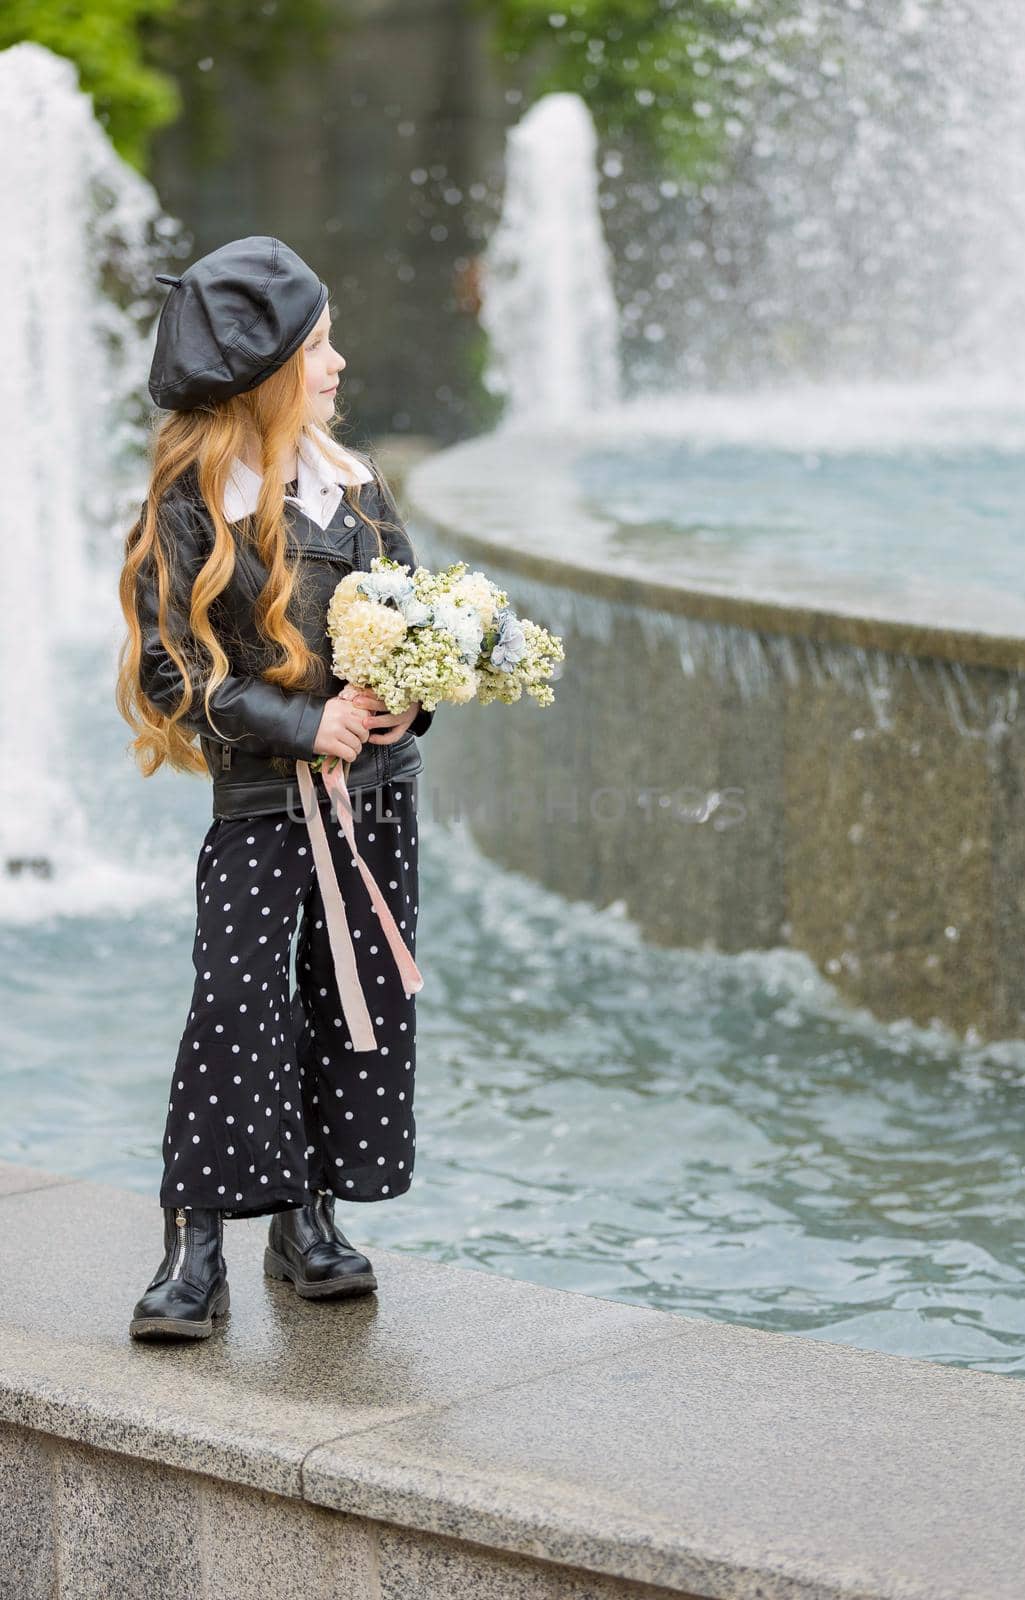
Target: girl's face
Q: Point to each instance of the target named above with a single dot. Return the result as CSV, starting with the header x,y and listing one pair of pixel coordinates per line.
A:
x,y
322,365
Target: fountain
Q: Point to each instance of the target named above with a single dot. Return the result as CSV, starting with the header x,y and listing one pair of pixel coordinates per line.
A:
x,y
548,303
786,564
618,1107
83,232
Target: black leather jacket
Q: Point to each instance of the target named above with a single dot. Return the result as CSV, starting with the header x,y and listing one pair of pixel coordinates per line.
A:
x,y
259,730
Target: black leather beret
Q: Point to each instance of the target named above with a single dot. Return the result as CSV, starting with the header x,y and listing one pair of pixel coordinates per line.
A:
x,y
231,320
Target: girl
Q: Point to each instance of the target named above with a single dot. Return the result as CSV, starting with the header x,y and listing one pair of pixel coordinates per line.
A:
x,y
253,514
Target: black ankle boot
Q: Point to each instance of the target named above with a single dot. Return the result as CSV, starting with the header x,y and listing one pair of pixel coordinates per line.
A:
x,y
190,1286
305,1246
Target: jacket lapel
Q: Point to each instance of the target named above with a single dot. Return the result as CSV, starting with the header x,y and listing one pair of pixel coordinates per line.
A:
x,y
306,537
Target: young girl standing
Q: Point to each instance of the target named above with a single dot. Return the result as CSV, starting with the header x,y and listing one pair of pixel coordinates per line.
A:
x,y
253,515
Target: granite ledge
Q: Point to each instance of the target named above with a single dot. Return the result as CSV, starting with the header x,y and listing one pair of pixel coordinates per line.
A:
x,y
523,480
707,1458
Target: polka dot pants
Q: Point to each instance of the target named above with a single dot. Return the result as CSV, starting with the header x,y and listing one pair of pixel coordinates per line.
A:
x,y
269,1101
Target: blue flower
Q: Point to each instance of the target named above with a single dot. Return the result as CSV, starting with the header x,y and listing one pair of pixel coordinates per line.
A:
x,y
511,645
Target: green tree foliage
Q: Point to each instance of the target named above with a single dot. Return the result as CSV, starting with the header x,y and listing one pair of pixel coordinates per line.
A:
x,y
101,37
669,77
146,62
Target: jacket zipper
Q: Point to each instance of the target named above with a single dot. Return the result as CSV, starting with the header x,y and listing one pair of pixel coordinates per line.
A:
x,y
182,1222
324,555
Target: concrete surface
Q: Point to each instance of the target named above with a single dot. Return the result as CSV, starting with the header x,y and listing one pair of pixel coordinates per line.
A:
x,y
459,1433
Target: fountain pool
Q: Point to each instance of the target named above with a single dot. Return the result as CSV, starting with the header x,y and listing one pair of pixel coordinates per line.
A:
x,y
714,1131
718,1135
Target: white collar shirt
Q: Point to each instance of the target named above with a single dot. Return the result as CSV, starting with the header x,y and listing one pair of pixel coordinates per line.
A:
x,y
320,482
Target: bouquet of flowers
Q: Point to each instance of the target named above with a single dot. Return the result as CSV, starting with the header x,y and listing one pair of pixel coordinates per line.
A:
x,y
427,636
433,636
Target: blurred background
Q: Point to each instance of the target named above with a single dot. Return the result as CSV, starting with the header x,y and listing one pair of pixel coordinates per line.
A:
x,y
720,302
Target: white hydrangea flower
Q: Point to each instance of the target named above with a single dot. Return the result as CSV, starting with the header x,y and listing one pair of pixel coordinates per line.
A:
x,y
396,586
416,612
475,588
464,624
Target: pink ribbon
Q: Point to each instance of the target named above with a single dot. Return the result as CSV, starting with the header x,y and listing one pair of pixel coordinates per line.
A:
x,y
350,990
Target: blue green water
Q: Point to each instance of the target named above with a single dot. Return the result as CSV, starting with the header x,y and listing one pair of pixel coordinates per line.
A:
x,y
713,1134
945,515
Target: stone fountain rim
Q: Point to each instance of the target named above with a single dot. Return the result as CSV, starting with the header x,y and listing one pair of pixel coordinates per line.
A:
x,y
441,499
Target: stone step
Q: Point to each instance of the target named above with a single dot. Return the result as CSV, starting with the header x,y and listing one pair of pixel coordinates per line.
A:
x,y
461,1434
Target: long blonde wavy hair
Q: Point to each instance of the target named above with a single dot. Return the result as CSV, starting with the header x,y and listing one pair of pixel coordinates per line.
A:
x,y
275,416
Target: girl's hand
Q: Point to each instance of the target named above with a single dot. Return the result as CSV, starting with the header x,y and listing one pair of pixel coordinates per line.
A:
x,y
379,717
342,730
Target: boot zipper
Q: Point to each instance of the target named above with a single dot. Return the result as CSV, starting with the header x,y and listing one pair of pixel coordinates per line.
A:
x,y
181,1220
320,1212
